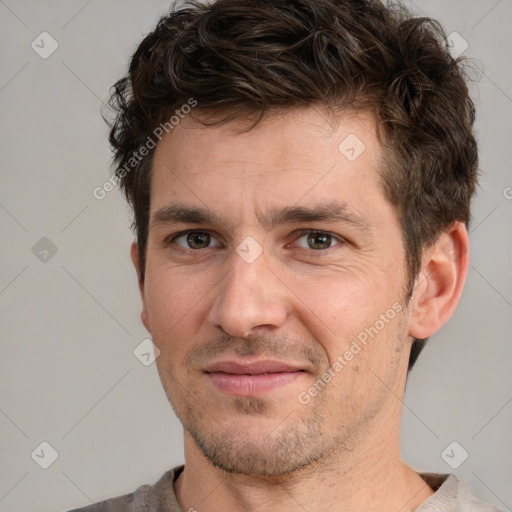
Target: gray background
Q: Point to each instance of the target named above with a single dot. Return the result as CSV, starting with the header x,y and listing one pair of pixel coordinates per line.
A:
x,y
70,324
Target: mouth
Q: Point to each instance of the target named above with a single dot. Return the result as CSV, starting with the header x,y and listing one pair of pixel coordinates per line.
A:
x,y
252,379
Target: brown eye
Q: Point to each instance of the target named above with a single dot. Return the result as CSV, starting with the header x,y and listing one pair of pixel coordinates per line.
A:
x,y
196,240
318,240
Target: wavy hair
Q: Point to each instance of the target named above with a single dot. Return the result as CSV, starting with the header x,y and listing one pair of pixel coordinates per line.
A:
x,y
246,58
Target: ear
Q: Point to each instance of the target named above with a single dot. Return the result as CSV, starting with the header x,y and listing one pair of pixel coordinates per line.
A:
x,y
440,283
134,252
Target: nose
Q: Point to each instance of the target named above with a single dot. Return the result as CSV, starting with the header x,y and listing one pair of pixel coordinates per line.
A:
x,y
251,297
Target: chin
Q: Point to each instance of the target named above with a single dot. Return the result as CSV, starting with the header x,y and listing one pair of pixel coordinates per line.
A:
x,y
258,447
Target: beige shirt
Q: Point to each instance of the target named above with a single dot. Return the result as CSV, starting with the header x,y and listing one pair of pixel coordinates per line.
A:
x,y
450,496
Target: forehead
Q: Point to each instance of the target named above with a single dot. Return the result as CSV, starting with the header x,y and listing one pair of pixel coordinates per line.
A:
x,y
295,157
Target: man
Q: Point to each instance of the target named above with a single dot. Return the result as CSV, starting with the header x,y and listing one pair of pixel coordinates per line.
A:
x,y
300,173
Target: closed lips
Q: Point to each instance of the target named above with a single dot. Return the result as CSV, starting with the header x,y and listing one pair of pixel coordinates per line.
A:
x,y
251,379
257,368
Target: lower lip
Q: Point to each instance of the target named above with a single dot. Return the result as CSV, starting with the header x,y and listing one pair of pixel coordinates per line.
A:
x,y
250,385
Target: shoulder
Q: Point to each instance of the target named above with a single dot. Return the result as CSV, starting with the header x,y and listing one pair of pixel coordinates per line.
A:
x,y
159,497
452,495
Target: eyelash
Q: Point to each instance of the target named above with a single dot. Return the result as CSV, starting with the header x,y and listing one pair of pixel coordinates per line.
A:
x,y
299,234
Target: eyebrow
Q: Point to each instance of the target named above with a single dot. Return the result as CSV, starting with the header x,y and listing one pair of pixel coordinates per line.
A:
x,y
182,214
332,212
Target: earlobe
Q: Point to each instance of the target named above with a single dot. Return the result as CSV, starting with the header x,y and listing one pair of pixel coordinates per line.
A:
x,y
134,252
440,283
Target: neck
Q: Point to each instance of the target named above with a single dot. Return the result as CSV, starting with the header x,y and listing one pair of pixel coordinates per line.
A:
x,y
372,477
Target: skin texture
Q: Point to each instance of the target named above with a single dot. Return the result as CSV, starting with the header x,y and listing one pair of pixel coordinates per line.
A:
x,y
292,303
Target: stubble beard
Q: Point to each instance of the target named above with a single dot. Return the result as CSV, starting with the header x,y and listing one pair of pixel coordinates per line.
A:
x,y
293,442
283,449
267,447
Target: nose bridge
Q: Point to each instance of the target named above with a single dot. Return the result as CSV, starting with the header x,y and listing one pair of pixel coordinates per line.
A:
x,y
250,295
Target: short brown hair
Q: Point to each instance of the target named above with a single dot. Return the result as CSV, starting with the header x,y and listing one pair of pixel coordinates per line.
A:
x,y
249,57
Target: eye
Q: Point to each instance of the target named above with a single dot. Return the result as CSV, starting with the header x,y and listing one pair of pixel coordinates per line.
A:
x,y
195,240
318,240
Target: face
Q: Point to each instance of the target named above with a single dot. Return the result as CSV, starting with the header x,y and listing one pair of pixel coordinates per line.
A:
x,y
274,288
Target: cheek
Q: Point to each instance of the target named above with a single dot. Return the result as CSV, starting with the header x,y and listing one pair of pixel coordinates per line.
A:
x,y
338,312
176,306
